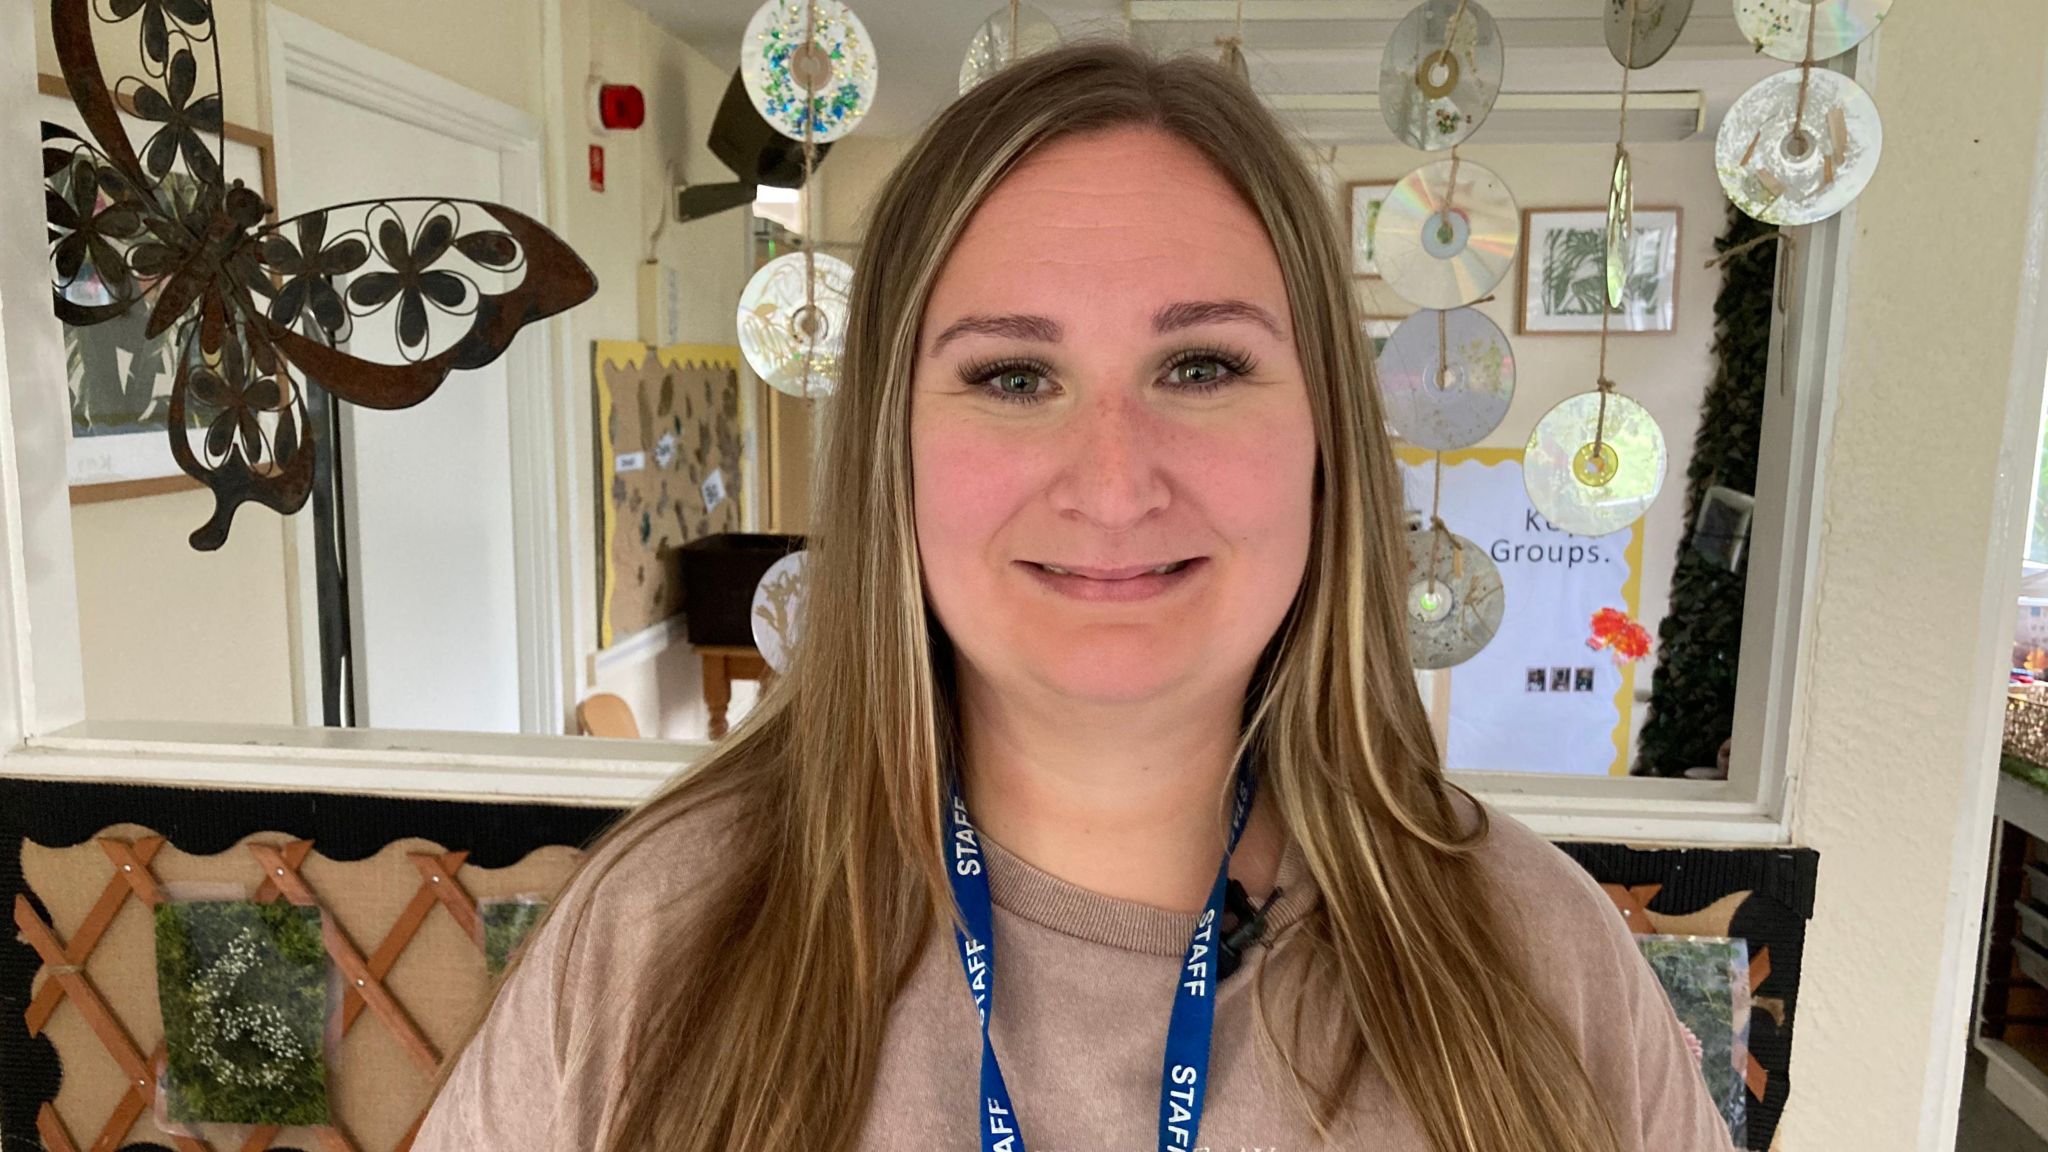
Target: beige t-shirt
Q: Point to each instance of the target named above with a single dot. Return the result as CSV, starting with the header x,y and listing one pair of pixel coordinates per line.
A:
x,y
1079,1021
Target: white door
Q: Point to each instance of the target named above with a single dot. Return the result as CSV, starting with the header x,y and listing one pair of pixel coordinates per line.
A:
x,y
427,489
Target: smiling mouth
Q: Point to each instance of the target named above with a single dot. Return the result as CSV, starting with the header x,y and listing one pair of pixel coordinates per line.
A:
x,y
1112,574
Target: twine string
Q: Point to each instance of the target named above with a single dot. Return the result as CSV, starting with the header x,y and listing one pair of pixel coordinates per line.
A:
x,y
809,324
1628,66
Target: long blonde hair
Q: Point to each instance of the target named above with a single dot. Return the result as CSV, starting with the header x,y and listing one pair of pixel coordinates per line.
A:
x,y
837,884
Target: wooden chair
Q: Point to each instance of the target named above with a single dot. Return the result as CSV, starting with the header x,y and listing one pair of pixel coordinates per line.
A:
x,y
606,714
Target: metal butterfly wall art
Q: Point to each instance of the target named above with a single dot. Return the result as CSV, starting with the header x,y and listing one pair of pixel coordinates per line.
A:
x,y
255,312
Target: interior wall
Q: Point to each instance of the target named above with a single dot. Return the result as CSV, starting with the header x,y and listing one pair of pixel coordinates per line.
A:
x,y
613,230
1900,683
143,592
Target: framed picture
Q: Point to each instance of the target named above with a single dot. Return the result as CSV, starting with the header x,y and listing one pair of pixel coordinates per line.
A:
x,y
1563,275
119,379
1362,202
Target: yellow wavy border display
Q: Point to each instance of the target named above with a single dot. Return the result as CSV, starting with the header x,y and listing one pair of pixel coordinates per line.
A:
x,y
1631,584
629,352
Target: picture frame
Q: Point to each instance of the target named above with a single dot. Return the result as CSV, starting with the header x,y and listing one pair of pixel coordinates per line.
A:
x,y
1560,276
117,449
1362,200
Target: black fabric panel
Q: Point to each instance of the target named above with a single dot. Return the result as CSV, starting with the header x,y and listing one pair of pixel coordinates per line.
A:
x,y
1781,883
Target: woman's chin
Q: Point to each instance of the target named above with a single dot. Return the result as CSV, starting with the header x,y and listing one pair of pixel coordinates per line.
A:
x,y
1112,676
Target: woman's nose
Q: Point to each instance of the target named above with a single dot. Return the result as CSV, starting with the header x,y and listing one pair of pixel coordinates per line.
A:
x,y
1112,470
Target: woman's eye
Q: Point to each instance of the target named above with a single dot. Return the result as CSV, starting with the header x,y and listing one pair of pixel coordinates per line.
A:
x,y
1206,371
1015,383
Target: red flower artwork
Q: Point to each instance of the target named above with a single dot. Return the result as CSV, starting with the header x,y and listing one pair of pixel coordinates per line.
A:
x,y
1616,631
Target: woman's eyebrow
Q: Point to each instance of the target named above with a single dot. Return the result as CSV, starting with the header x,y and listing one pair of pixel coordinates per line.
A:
x,y
1046,330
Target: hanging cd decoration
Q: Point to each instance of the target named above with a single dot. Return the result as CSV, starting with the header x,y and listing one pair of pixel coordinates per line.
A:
x,y
1003,38
778,610
1779,28
1787,177
1655,29
791,339
1233,61
826,78
1621,225
1432,95
1440,259
1589,476
1455,600
1448,401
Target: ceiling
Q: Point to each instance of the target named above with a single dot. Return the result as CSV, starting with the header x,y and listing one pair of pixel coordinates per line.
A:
x,y
1303,53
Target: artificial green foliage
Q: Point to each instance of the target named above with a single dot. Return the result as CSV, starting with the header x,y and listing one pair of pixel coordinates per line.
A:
x,y
1700,977
243,991
1692,693
2021,768
506,923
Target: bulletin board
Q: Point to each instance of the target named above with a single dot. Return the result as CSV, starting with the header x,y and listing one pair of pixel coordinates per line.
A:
x,y
404,890
670,451
1554,582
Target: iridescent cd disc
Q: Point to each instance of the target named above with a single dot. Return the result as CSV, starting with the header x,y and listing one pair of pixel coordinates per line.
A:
x,y
1780,27
1589,476
827,77
1455,601
792,342
1621,224
1028,29
1784,177
1438,82
1440,259
1655,28
1448,400
778,609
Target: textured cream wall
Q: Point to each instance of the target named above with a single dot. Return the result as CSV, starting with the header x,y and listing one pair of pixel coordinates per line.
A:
x,y
1887,790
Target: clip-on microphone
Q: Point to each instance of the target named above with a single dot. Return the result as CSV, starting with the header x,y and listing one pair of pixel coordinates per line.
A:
x,y
1250,925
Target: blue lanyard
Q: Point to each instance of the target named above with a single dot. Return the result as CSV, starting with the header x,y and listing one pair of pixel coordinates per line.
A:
x,y
1183,1081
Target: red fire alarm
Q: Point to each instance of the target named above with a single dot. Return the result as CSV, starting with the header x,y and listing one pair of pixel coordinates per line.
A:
x,y
615,107
597,167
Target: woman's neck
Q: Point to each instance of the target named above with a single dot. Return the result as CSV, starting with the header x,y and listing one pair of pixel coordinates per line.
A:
x,y
1123,804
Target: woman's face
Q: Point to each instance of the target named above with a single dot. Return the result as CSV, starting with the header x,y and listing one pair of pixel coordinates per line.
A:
x,y
1106,380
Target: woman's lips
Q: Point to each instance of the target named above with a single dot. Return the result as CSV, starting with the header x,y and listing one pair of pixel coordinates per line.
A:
x,y
1116,589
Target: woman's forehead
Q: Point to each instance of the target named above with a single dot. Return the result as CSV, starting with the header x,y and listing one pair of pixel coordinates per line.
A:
x,y
1116,216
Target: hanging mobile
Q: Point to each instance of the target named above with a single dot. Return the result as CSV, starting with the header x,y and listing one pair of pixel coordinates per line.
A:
x,y
1447,378
1009,33
1620,243
1798,30
1641,38
1440,73
1446,235
809,68
1798,146
1595,462
792,313
792,322
777,615
1232,54
1455,599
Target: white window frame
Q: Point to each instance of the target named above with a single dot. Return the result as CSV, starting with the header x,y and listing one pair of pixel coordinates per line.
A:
x,y
45,733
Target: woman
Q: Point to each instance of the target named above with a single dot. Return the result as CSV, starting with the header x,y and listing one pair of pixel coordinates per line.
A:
x,y
1110,535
